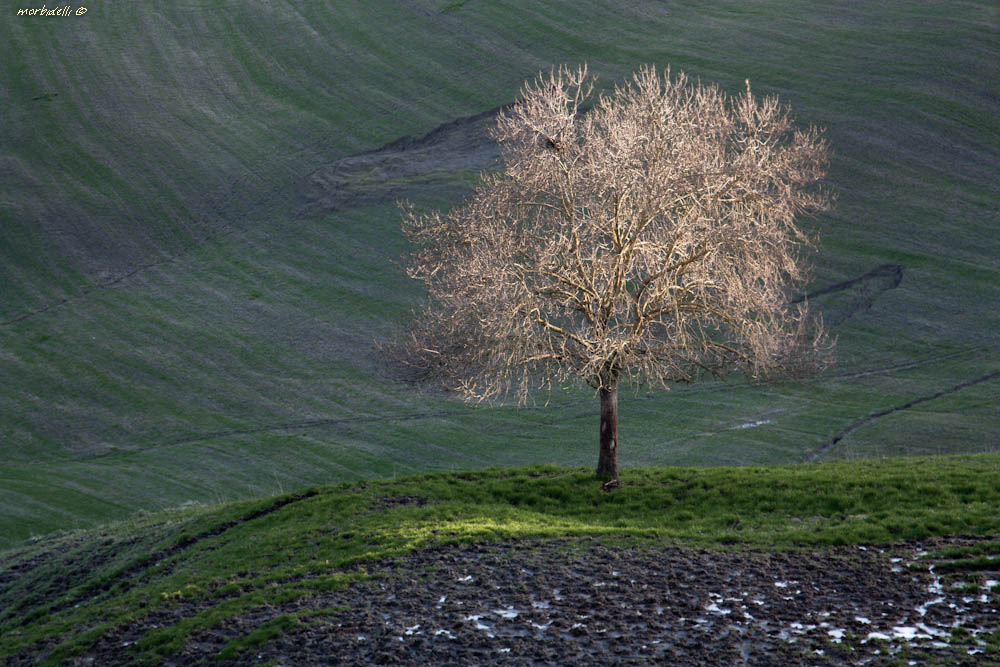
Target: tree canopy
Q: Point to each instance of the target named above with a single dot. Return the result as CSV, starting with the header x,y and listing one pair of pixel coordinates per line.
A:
x,y
646,236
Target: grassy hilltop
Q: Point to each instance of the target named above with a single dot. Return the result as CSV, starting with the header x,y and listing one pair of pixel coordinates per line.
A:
x,y
224,581
199,244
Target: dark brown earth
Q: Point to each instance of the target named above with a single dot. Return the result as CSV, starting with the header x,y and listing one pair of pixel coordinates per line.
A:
x,y
579,601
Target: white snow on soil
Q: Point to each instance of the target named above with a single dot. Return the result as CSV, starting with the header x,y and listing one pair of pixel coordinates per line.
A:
x,y
507,613
753,424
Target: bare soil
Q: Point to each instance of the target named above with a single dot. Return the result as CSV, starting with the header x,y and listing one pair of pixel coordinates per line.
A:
x,y
560,602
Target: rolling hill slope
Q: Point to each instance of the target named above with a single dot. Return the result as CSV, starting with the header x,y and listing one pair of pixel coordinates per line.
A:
x,y
199,246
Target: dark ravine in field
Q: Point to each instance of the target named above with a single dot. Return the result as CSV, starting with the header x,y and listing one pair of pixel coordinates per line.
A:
x,y
401,167
897,408
841,301
892,274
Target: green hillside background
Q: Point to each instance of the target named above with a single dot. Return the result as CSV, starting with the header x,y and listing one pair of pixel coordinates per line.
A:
x,y
200,247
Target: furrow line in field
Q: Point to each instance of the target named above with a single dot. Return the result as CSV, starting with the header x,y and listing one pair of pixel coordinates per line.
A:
x,y
905,406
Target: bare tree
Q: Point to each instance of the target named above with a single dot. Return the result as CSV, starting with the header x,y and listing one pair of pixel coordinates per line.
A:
x,y
647,239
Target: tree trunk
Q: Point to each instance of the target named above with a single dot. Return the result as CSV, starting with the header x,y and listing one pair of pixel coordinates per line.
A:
x,y
607,459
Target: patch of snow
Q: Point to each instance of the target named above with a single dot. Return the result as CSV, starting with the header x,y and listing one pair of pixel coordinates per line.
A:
x,y
922,609
466,579
443,598
447,633
934,632
837,634
909,633
716,609
754,424
881,636
362,638
862,620
540,604
507,613
479,624
413,630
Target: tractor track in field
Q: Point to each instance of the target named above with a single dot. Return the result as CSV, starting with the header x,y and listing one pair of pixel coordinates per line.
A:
x,y
324,422
83,294
125,578
850,375
827,446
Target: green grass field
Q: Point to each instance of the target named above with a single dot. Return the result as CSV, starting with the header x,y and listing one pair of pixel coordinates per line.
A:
x,y
174,329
